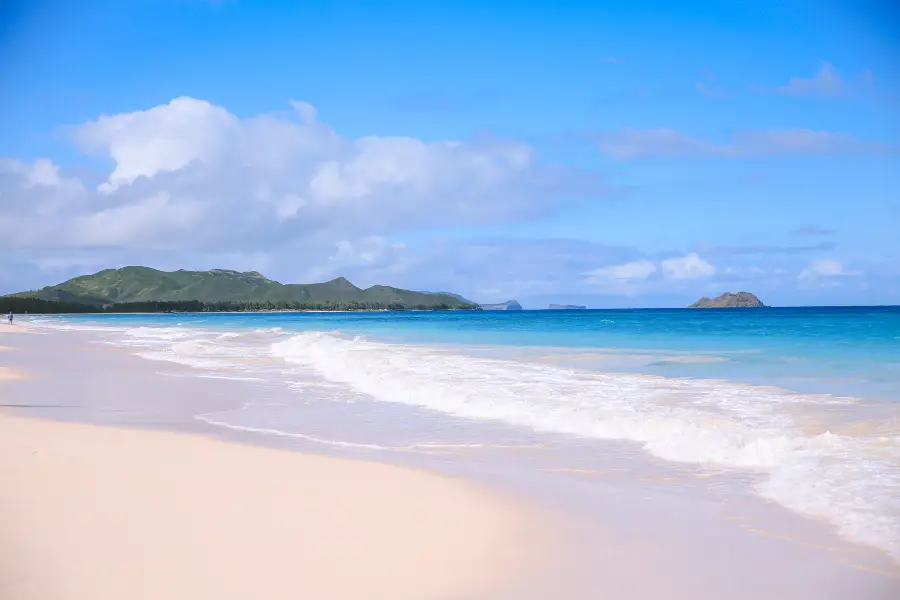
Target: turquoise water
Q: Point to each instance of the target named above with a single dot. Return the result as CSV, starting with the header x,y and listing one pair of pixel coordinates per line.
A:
x,y
840,350
805,402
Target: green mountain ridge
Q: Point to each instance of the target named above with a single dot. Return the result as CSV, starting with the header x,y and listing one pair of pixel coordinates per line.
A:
x,y
143,284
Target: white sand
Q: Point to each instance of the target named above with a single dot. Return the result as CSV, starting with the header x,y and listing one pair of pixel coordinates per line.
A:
x,y
98,513
7,374
93,513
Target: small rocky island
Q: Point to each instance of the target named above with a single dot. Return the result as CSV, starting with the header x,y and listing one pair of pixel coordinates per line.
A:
x,y
566,307
508,305
729,300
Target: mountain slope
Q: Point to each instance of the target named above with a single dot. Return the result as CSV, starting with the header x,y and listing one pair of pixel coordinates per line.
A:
x,y
143,284
457,296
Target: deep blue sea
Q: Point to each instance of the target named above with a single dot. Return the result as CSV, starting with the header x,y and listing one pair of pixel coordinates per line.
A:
x,y
805,399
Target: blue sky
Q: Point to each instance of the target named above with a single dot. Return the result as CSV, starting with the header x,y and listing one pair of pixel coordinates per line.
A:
x,y
602,153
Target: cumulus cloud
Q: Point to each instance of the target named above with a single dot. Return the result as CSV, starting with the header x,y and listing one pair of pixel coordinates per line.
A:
x,y
690,266
628,143
485,270
825,268
365,257
826,82
164,138
742,271
41,172
627,278
638,269
191,175
644,275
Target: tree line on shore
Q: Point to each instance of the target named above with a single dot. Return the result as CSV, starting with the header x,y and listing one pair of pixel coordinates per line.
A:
x,y
22,305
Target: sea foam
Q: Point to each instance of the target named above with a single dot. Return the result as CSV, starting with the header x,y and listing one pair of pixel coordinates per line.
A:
x,y
850,477
852,481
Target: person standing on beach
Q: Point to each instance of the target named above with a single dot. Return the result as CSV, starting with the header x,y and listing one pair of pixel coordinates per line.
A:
x,y
10,317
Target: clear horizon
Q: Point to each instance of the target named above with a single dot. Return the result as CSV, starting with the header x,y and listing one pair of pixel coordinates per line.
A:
x,y
551,302
556,152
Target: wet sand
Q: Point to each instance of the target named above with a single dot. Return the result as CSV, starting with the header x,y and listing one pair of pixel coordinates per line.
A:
x,y
619,527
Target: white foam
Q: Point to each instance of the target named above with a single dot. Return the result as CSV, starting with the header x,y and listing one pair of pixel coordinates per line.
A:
x,y
157,333
851,480
425,447
289,434
231,377
204,352
854,482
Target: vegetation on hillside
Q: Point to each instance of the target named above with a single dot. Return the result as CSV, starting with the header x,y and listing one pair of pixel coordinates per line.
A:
x,y
195,306
38,306
118,290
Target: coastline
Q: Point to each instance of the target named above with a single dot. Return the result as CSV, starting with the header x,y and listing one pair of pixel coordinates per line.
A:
x,y
90,512
623,520
259,311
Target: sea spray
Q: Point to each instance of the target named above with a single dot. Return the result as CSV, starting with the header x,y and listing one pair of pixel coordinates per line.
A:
x,y
852,481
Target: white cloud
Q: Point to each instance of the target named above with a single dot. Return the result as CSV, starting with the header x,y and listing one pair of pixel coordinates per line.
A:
x,y
752,270
826,82
690,266
40,173
630,143
164,138
644,275
366,256
190,175
824,269
484,270
307,111
638,269
627,279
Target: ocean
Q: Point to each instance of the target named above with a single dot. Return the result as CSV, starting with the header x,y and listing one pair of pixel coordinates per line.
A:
x,y
801,405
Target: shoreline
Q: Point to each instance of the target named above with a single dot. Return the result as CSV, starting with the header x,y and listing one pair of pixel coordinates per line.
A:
x,y
618,528
249,312
178,516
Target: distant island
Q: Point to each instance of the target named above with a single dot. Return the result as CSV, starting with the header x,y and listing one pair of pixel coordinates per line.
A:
x,y
508,305
142,289
729,300
566,307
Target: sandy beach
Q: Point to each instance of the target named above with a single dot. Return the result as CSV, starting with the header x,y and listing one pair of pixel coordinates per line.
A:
x,y
124,494
101,513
